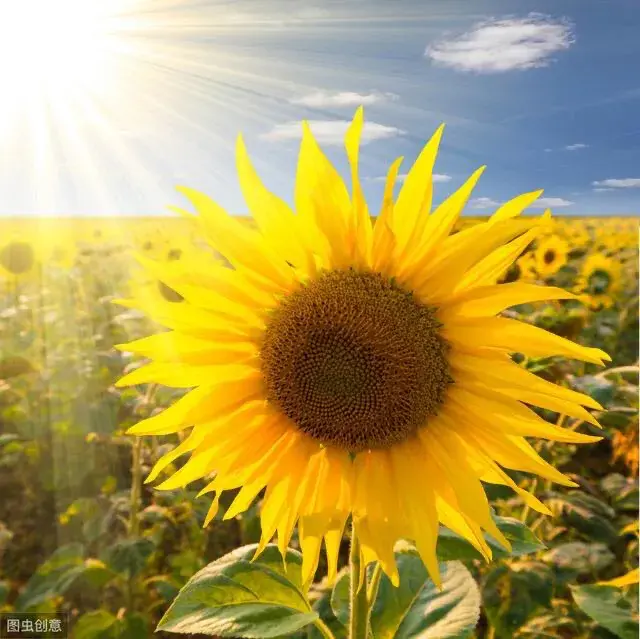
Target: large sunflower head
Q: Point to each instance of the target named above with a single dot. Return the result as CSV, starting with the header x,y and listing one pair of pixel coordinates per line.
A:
x,y
344,369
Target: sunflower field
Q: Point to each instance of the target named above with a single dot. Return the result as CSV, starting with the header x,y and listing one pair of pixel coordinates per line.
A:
x,y
83,533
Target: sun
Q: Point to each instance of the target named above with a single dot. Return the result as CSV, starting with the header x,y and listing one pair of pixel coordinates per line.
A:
x,y
46,44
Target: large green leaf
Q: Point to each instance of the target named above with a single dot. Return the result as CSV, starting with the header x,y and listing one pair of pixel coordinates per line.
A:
x,y
417,609
451,546
606,606
235,597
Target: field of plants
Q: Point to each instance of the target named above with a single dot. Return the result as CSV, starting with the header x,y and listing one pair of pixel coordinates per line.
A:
x,y
81,532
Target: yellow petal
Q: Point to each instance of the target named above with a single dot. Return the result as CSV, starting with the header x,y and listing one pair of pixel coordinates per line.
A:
x,y
361,230
439,224
505,372
384,241
510,415
200,405
460,252
243,247
272,215
414,200
514,336
321,197
186,376
515,206
632,577
187,349
491,300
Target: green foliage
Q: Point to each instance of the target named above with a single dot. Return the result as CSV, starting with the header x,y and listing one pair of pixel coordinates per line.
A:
x,y
417,608
523,541
237,597
607,606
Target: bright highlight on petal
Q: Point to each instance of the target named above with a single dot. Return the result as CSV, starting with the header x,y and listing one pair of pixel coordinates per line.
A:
x,y
343,369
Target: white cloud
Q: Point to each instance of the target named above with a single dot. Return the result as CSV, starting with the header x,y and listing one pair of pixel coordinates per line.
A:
x,y
603,189
576,147
320,99
548,150
483,203
619,183
496,46
551,202
331,131
437,177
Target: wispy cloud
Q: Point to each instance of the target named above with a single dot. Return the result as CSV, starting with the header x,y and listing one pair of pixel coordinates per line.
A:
x,y
483,203
502,45
437,177
328,99
542,203
331,131
603,189
619,183
551,202
576,147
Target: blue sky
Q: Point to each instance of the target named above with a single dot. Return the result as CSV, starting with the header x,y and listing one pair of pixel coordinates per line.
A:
x,y
542,92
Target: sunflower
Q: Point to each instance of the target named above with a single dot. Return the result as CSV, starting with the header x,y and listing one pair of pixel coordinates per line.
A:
x,y
600,279
20,258
551,255
351,370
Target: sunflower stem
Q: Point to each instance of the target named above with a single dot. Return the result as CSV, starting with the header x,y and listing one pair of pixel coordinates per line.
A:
x,y
324,630
358,604
136,488
372,589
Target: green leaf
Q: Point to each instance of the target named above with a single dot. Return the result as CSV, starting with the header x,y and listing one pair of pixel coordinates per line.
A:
x,y
623,491
4,592
417,609
511,594
129,556
607,607
133,626
237,597
599,388
586,514
94,625
321,599
54,577
580,558
453,547
340,598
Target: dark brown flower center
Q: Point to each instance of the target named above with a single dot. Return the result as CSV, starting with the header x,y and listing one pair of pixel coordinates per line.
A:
x,y
354,360
549,256
17,257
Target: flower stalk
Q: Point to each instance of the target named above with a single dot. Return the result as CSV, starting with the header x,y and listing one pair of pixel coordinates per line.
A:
x,y
358,604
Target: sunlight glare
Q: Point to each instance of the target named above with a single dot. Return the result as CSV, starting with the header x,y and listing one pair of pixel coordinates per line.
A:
x,y
51,43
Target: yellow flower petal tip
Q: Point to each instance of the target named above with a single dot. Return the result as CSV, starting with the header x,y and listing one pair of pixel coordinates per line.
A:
x,y
375,353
